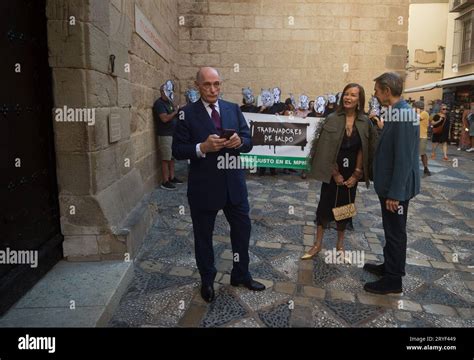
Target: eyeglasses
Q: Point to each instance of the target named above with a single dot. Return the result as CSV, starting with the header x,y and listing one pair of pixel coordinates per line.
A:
x,y
444,109
208,85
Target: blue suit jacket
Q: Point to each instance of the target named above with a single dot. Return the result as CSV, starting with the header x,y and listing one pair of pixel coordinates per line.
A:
x,y
396,167
208,186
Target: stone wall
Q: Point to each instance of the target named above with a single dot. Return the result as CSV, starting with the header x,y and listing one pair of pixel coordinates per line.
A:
x,y
103,182
315,47
105,171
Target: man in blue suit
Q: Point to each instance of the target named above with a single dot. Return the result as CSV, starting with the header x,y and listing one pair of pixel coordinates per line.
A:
x,y
199,137
396,180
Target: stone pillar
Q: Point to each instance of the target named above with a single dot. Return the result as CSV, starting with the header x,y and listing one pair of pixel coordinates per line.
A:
x,y
104,210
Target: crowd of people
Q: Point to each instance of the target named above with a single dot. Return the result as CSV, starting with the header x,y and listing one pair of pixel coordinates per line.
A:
x,y
350,145
437,125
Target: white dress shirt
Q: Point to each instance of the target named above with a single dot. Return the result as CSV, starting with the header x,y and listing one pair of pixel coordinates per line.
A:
x,y
199,153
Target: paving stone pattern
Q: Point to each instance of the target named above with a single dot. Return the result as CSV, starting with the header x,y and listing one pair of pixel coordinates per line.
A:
x,y
165,291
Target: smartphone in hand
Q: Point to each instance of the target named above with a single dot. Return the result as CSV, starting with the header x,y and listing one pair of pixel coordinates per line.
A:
x,y
227,133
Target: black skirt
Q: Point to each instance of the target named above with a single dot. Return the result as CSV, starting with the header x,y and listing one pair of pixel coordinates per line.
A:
x,y
346,161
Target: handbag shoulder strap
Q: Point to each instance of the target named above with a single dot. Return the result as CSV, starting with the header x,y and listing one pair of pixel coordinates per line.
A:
x,y
337,192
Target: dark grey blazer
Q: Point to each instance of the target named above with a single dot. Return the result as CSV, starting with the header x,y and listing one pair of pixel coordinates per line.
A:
x,y
396,162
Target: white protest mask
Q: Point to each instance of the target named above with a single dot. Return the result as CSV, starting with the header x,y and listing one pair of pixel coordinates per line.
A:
x,y
266,97
168,89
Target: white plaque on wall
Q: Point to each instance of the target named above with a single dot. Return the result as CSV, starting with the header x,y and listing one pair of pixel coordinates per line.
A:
x,y
147,32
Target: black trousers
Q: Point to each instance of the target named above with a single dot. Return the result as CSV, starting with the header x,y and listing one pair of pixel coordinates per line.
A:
x,y
240,227
395,229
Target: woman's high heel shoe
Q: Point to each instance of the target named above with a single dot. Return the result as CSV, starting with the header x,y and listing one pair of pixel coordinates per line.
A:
x,y
309,255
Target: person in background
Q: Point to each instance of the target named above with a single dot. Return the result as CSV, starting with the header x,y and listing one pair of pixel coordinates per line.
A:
x,y
441,120
331,106
313,112
248,101
191,95
165,116
303,107
468,128
424,123
268,101
320,106
464,138
289,108
312,108
375,113
302,112
277,106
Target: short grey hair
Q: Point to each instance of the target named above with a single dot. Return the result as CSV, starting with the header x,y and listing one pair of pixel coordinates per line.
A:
x,y
392,81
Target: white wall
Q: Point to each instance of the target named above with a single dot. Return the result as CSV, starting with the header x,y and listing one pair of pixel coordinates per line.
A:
x,y
426,30
427,27
448,66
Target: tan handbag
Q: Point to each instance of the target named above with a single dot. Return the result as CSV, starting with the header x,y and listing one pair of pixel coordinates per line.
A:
x,y
345,211
439,128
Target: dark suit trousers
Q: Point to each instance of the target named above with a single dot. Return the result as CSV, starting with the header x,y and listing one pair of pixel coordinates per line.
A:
x,y
395,249
240,226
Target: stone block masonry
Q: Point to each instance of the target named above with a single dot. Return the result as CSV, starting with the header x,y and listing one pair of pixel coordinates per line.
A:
x,y
304,47
99,62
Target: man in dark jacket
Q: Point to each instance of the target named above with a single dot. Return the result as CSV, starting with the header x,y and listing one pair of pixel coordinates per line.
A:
x,y
199,137
396,180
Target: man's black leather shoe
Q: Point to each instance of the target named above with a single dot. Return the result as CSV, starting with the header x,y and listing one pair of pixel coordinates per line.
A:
x,y
385,285
207,293
251,285
375,269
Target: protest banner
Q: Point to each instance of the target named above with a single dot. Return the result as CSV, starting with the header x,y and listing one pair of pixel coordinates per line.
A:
x,y
280,141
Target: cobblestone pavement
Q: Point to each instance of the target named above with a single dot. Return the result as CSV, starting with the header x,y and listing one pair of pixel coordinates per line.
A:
x,y
438,287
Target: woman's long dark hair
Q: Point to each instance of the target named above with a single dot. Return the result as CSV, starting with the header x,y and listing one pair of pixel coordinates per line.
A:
x,y
361,105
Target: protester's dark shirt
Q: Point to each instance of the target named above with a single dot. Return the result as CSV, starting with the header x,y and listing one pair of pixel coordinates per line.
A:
x,y
266,111
249,108
278,108
328,111
274,109
163,107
